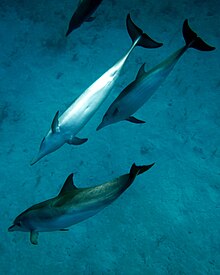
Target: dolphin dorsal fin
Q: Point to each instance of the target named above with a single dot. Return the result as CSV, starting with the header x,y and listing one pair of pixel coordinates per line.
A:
x,y
55,123
141,71
68,185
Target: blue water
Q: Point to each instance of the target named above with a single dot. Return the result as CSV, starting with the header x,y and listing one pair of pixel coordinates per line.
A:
x,y
168,221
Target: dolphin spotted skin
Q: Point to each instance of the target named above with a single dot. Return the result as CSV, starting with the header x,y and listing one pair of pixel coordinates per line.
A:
x,y
143,87
83,13
64,128
72,205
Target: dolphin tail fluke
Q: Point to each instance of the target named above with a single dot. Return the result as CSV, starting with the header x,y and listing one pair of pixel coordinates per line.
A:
x,y
192,40
136,33
137,170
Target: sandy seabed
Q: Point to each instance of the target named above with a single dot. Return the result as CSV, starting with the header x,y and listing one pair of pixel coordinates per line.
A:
x,y
168,221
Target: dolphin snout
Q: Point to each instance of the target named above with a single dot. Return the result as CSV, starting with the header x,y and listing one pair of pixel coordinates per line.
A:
x,y
36,159
11,228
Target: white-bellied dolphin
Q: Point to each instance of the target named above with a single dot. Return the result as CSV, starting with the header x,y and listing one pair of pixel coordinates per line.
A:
x,y
83,13
143,87
64,128
72,205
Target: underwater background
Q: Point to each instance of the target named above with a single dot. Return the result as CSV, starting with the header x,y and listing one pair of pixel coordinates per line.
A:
x,y
168,221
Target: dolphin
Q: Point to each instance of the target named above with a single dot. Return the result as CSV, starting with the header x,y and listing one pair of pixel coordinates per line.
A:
x,y
64,129
72,205
143,87
83,13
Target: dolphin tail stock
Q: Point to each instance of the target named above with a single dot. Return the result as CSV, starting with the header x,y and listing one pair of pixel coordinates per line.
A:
x,y
193,40
139,37
137,170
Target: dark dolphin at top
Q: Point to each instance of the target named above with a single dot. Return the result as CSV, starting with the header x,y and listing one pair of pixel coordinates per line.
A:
x,y
134,96
73,205
83,13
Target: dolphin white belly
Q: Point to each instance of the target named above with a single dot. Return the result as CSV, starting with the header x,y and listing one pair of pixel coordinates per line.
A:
x,y
62,221
81,111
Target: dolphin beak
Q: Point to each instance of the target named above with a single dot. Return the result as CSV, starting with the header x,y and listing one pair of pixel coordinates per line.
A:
x,y
36,159
11,228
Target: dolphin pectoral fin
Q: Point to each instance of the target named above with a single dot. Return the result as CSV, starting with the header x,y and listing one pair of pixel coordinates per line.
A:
x,y
90,19
64,229
34,237
55,123
77,141
134,120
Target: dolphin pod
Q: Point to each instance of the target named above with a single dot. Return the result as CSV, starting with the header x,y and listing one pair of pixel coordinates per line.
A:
x,y
134,96
65,128
83,13
73,205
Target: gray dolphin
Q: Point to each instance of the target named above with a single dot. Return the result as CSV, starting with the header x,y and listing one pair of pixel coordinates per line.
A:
x,y
82,14
73,205
65,128
146,83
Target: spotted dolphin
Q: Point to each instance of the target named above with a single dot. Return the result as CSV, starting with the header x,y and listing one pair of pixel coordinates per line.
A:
x,y
134,96
64,128
83,13
72,205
